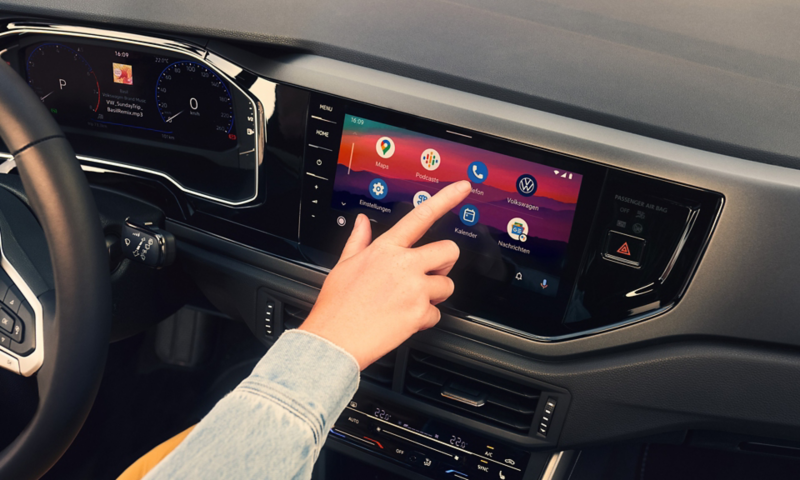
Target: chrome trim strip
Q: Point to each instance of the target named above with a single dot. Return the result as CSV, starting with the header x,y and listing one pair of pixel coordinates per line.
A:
x,y
322,119
552,466
321,148
569,336
8,163
30,364
220,66
464,400
316,176
693,214
459,134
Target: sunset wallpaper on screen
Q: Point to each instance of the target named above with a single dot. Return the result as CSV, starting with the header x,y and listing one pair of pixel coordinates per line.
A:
x,y
549,212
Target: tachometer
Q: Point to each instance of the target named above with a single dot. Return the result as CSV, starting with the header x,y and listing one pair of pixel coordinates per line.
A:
x,y
192,98
63,79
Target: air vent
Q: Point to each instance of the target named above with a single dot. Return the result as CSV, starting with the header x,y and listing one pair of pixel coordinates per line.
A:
x,y
382,371
293,316
471,392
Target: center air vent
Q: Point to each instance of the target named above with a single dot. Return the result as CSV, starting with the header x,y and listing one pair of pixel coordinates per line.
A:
x,y
471,392
382,371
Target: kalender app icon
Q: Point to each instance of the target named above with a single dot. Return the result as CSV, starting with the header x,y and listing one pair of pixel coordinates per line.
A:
x,y
469,215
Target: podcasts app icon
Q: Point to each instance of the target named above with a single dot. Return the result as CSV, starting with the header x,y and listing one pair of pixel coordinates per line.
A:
x,y
385,147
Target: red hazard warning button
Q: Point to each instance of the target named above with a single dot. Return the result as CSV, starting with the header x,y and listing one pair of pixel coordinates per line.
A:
x,y
624,248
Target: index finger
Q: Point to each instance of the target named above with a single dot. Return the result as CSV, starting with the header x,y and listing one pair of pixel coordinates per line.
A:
x,y
414,225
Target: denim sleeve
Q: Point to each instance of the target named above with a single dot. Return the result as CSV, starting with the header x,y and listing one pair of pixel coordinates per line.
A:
x,y
274,423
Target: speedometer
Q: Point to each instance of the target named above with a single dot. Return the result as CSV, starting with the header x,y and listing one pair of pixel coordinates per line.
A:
x,y
192,99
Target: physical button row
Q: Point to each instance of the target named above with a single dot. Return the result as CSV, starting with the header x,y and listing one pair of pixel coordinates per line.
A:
x,y
11,325
547,416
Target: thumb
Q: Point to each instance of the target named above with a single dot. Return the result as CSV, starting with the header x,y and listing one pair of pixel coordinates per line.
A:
x,y
360,238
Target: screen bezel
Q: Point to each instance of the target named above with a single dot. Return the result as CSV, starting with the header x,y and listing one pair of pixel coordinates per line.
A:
x,y
322,240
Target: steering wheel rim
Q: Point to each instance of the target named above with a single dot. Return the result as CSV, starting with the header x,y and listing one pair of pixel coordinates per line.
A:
x,y
77,305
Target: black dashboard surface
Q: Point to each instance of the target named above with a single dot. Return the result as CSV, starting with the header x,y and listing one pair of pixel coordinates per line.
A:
x,y
703,75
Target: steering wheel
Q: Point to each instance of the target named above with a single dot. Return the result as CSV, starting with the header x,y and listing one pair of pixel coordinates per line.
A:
x,y
57,305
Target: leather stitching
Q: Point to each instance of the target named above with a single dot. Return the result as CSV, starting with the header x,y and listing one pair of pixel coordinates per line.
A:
x,y
37,142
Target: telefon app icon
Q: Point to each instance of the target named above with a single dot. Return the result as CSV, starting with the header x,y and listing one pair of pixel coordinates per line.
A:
x,y
477,172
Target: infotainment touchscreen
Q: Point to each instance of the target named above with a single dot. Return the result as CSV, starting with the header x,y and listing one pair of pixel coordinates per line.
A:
x,y
521,231
519,214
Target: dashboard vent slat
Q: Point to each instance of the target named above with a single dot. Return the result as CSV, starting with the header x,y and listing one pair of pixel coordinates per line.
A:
x,y
382,371
508,404
446,366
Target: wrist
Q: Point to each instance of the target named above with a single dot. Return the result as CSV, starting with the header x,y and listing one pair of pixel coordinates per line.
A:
x,y
315,326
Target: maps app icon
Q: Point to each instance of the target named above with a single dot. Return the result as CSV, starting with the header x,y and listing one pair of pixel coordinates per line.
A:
x,y
385,147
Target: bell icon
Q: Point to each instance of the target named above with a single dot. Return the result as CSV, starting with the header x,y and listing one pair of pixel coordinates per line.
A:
x,y
518,276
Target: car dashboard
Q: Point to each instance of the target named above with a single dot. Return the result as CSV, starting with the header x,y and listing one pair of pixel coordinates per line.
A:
x,y
611,286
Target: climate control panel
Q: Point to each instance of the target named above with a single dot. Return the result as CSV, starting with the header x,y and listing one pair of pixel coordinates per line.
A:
x,y
428,446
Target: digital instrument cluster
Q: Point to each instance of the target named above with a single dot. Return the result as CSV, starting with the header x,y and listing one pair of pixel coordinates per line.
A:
x,y
155,96
161,109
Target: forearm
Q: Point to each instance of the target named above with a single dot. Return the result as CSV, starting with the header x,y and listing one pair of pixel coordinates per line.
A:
x,y
274,423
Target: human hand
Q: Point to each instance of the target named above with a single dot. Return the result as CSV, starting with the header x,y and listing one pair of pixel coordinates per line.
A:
x,y
382,292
